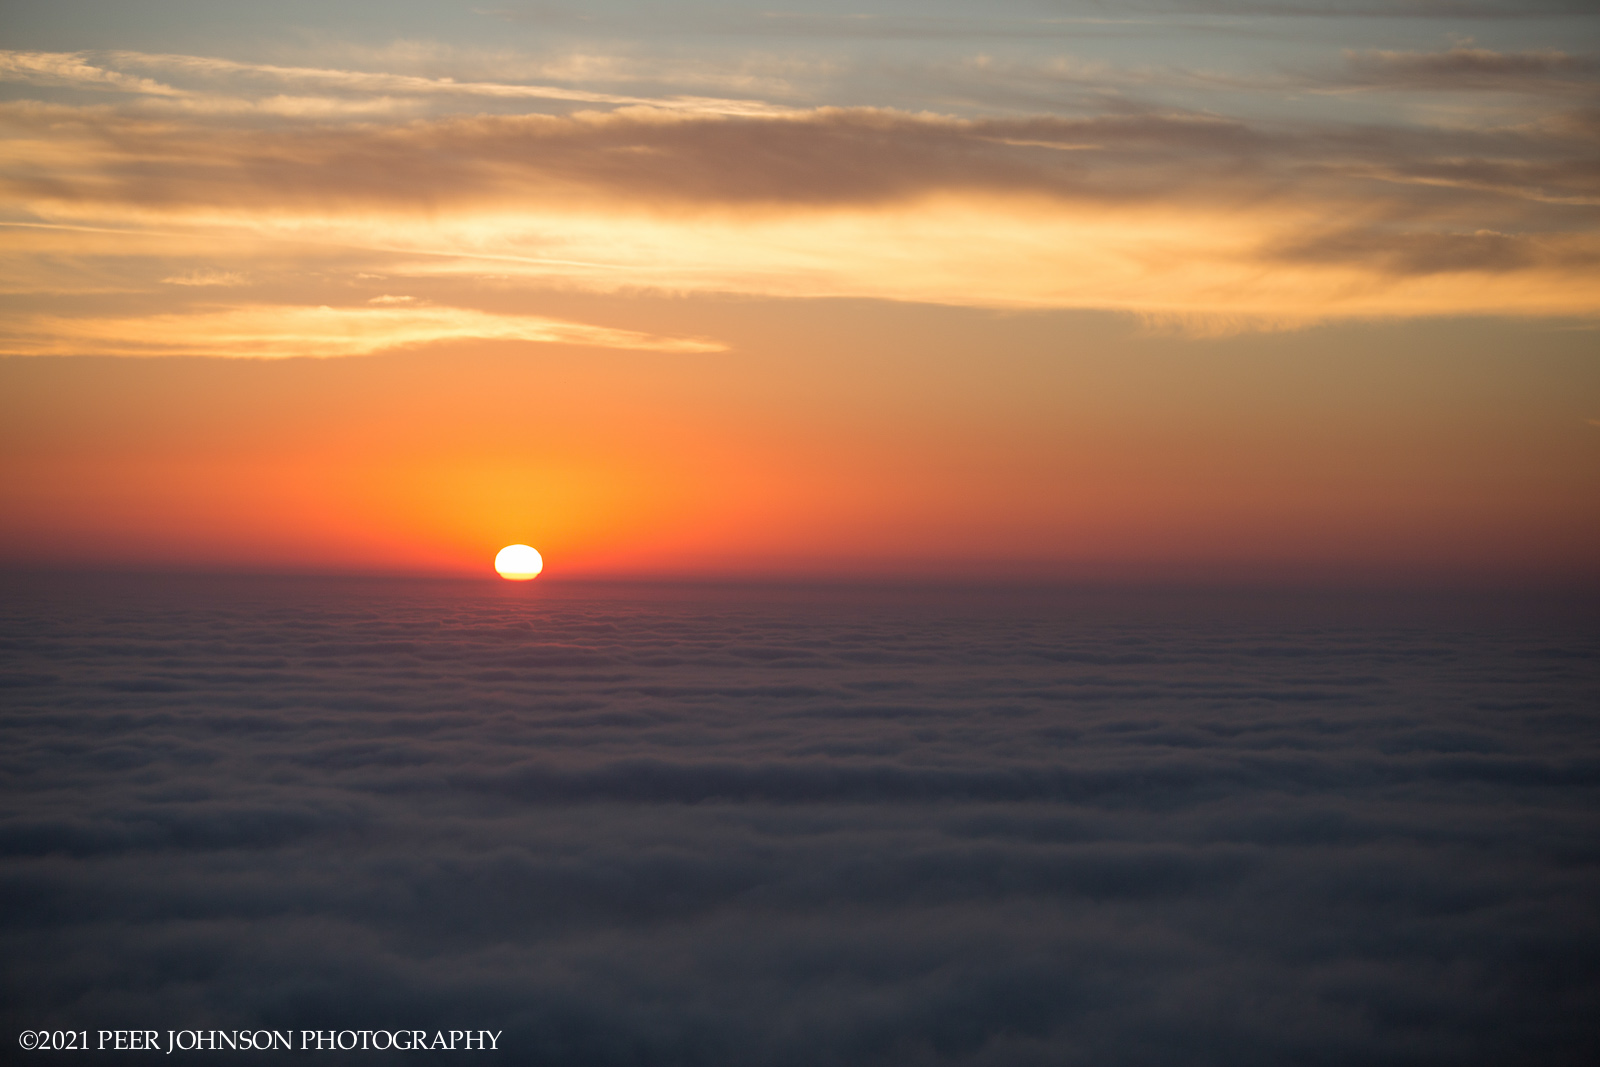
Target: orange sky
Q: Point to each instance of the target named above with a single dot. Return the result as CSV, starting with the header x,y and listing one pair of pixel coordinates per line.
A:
x,y
853,438
1328,313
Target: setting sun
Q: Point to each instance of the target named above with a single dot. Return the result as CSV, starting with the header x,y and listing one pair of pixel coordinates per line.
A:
x,y
519,563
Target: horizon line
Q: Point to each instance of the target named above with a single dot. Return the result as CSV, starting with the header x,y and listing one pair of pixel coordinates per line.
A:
x,y
1338,583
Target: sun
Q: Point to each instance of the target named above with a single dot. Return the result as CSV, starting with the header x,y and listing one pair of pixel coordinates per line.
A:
x,y
519,563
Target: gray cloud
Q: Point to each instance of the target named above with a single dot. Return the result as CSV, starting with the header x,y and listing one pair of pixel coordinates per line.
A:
x,y
1052,18
1465,67
682,824
1407,9
827,156
1418,254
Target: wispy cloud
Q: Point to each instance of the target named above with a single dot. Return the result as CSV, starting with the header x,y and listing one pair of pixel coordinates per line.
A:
x,y
1058,16
1465,67
1329,9
244,82
208,278
278,332
1439,253
73,69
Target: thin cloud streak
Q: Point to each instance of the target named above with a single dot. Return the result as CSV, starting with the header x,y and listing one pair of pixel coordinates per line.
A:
x,y
1355,9
276,332
73,69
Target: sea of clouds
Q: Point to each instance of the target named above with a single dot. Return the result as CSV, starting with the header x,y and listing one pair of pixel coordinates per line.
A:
x,y
685,825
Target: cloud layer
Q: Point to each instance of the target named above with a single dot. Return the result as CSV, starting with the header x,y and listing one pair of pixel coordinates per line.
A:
x,y
682,824
122,165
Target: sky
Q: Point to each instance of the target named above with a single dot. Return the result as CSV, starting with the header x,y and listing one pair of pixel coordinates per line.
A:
x,y
1288,290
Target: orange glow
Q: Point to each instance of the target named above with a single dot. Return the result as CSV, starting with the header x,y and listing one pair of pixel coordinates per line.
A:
x,y
1130,456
